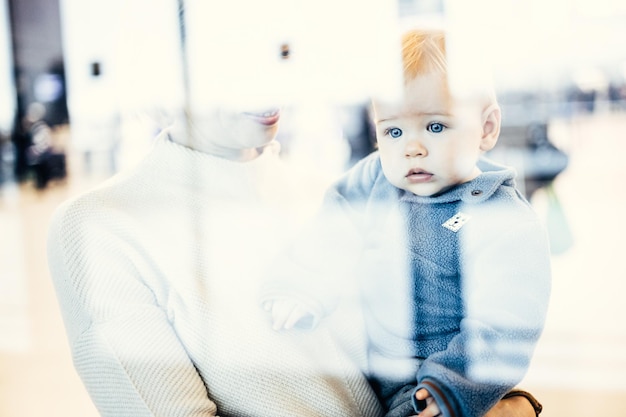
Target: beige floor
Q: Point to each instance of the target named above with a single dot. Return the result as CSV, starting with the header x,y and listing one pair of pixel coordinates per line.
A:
x,y
580,365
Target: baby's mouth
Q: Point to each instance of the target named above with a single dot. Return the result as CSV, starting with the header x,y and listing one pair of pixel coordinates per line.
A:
x,y
417,175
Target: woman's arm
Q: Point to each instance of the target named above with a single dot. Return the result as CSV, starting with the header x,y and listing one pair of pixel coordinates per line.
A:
x,y
516,403
123,344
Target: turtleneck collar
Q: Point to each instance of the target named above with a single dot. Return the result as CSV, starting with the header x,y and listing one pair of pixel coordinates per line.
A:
x,y
200,170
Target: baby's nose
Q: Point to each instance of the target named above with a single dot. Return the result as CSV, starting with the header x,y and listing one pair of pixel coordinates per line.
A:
x,y
415,148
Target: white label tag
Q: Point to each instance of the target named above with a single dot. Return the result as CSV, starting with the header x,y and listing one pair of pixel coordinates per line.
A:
x,y
457,221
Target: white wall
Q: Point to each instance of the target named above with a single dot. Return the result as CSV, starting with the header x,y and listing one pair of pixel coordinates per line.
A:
x,y
136,44
542,43
341,50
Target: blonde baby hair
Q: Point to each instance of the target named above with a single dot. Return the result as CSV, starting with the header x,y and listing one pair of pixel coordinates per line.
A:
x,y
426,51
423,51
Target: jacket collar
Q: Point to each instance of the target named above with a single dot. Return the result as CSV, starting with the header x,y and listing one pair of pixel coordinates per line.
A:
x,y
475,191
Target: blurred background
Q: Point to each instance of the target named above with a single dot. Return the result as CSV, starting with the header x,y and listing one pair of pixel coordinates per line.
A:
x,y
86,85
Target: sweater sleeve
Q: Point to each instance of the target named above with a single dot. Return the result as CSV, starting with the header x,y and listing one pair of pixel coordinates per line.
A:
x,y
123,346
318,267
506,288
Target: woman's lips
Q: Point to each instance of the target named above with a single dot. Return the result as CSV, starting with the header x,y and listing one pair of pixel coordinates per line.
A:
x,y
267,118
417,176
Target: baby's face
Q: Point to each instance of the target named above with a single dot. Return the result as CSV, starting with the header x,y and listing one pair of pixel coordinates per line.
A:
x,y
428,142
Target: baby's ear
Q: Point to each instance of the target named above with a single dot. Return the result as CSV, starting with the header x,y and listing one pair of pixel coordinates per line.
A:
x,y
491,118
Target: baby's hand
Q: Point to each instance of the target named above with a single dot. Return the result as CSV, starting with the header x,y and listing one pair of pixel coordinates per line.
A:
x,y
287,313
431,409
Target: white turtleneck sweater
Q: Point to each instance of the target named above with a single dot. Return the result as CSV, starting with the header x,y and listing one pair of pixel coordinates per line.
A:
x,y
157,272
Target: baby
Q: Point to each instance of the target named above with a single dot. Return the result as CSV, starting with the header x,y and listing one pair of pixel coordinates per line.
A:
x,y
451,262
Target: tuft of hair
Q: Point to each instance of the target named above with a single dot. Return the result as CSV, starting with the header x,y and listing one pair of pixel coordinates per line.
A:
x,y
423,51
432,50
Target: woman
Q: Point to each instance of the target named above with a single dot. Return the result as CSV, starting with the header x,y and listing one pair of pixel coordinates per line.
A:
x,y
156,273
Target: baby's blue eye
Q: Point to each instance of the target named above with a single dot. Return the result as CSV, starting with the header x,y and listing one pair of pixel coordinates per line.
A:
x,y
394,132
435,127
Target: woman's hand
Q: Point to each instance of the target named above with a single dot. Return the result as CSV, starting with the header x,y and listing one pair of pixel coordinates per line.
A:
x,y
513,406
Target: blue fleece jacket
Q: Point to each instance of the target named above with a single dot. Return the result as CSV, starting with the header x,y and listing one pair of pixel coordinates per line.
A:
x,y
454,287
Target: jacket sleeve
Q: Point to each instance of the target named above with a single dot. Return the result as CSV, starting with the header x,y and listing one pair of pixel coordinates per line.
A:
x,y
506,288
123,346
